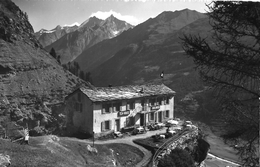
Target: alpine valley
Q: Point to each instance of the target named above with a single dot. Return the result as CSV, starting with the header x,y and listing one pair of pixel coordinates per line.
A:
x,y
110,52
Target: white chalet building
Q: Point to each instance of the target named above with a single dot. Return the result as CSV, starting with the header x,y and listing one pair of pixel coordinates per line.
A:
x,y
102,109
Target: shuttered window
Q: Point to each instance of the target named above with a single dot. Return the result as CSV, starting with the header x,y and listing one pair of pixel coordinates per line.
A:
x,y
106,125
103,110
152,102
117,106
132,105
107,108
102,126
78,107
79,97
110,109
159,100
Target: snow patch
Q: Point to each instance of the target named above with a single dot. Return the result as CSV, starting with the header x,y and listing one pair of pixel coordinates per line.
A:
x,y
46,31
115,32
71,25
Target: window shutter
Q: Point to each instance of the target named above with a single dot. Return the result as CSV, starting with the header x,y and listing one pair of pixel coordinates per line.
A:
x,y
133,105
121,108
102,126
110,109
110,124
103,110
164,114
127,106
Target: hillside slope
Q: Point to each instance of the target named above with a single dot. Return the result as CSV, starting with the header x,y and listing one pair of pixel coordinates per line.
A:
x,y
53,151
29,76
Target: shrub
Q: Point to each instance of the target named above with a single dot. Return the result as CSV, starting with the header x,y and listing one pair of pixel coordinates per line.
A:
x,y
177,158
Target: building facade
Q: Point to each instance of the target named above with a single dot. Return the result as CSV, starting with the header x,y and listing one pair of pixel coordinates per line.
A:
x,y
104,109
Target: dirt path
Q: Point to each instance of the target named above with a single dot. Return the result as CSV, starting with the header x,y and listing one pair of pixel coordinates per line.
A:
x,y
128,140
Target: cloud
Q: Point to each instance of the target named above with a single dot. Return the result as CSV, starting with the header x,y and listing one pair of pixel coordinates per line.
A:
x,y
73,24
128,18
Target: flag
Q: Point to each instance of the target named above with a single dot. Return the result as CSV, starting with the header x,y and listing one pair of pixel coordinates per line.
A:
x,y
162,74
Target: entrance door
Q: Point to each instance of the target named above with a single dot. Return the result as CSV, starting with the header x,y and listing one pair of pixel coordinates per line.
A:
x,y
117,125
141,119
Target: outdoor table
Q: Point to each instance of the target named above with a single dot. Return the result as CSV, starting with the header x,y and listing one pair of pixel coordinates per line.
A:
x,y
160,124
140,129
172,131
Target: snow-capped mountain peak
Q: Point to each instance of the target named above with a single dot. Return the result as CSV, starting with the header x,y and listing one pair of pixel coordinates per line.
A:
x,y
71,25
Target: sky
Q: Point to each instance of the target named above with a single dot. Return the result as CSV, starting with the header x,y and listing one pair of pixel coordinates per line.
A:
x,y
47,14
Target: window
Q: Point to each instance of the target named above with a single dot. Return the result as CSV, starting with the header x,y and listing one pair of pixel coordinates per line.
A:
x,y
117,106
152,102
107,108
143,102
130,105
144,107
78,107
79,97
167,114
151,116
106,125
159,100
167,100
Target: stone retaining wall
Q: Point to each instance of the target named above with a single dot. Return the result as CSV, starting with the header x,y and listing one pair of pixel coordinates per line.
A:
x,y
180,142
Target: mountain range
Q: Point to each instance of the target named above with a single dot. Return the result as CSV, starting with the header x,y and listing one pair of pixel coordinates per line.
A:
x,y
140,54
47,37
69,42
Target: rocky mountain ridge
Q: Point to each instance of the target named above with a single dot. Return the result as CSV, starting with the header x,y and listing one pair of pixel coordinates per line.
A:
x,y
70,44
47,37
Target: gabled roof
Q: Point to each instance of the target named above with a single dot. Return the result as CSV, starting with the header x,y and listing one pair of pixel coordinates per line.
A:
x,y
99,94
